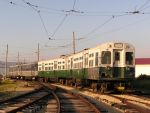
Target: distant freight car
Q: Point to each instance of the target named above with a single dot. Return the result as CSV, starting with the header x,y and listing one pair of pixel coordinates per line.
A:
x,y
107,66
23,71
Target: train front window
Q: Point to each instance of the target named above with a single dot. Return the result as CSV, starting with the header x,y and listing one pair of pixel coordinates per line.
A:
x,y
106,57
129,58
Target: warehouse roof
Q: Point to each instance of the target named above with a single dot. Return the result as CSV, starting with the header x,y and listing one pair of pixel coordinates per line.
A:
x,y
142,61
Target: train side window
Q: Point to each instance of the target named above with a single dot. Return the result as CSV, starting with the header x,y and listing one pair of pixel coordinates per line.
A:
x,y
117,56
96,59
90,63
106,57
63,67
86,61
129,58
40,69
55,65
43,67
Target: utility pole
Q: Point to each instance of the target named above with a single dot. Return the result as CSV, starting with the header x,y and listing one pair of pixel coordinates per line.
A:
x,y
6,61
74,48
18,63
38,52
24,60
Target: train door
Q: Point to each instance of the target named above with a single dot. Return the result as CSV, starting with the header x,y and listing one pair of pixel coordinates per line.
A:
x,y
117,63
117,58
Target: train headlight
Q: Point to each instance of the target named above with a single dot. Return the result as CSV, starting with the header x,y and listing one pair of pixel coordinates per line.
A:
x,y
127,68
33,78
108,67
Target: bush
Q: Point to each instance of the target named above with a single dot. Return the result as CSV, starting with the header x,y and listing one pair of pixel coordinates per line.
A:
x,y
143,77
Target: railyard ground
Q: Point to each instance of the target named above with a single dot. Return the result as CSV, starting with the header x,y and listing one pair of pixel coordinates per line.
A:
x,y
11,88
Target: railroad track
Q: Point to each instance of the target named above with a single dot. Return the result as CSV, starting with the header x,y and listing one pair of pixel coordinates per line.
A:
x,y
74,103
48,99
128,99
144,97
31,102
20,103
129,106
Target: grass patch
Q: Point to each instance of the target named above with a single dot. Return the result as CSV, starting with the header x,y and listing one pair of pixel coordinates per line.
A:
x,y
8,85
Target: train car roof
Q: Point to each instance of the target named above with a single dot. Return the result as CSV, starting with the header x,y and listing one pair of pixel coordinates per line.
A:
x,y
87,49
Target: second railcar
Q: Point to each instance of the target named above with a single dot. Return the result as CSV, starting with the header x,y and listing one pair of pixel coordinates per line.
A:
x,y
24,71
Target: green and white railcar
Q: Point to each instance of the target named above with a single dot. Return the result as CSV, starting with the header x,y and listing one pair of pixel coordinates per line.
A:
x,y
106,66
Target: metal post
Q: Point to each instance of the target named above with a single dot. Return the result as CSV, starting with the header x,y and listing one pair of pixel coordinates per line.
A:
x,y
74,43
18,64
38,51
6,61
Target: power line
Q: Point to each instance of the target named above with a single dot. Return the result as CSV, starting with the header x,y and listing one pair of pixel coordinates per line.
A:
x,y
31,5
57,28
97,28
146,2
145,8
120,28
100,26
60,24
107,21
75,12
138,11
34,7
14,3
74,5
43,23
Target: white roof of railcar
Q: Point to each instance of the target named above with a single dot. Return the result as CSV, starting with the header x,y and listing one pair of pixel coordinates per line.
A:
x,y
87,49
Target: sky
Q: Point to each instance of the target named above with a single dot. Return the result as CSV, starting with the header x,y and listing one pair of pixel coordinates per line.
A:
x,y
51,23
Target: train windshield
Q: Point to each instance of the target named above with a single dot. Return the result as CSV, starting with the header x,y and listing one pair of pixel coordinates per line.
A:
x,y
106,57
129,58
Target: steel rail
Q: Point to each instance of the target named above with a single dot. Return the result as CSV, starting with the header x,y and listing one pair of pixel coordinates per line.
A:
x,y
81,98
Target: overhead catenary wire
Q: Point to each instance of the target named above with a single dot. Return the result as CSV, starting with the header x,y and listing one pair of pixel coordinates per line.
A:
x,y
117,29
59,25
14,3
63,20
142,7
74,5
77,13
38,12
107,21
134,12
100,26
43,23
57,28
97,28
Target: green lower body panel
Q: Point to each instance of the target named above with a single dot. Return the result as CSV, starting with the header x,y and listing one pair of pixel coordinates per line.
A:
x,y
106,72
60,73
46,74
76,73
79,73
117,72
97,73
93,73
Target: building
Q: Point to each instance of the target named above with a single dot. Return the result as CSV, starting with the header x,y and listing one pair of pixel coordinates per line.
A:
x,y
142,66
